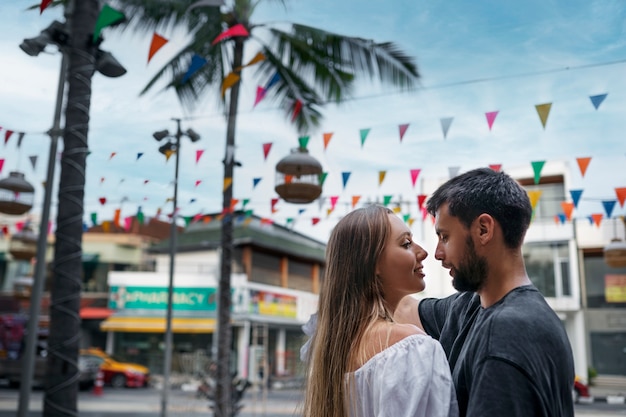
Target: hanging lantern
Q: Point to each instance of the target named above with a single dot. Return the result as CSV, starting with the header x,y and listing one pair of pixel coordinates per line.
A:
x,y
16,194
615,253
23,244
297,177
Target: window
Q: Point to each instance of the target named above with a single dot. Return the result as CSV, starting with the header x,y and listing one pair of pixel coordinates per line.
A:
x,y
596,280
299,277
265,269
547,265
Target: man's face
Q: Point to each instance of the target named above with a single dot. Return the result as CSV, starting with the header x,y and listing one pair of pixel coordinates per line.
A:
x,y
456,251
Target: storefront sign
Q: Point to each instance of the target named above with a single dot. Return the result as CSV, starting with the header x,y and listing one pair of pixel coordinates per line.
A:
x,y
267,303
123,297
615,288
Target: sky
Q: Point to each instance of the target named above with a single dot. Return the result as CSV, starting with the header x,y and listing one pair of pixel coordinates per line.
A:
x,y
474,58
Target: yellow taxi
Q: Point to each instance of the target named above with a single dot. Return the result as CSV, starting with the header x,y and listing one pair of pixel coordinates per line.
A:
x,y
116,373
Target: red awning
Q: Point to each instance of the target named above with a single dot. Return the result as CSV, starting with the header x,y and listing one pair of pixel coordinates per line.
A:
x,y
95,313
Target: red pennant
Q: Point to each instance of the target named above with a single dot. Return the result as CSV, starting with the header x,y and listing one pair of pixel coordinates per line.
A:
x,y
583,163
315,220
102,200
43,5
568,208
198,182
274,201
296,110
621,195
157,43
266,149
7,135
496,167
237,30
597,218
420,201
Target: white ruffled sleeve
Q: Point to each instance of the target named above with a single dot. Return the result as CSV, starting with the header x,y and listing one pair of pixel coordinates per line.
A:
x,y
409,379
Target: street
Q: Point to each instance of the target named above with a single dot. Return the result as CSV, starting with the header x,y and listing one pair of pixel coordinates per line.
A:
x,y
146,402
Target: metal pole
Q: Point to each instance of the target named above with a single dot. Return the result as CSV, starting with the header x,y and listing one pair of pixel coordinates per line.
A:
x,y
28,361
167,363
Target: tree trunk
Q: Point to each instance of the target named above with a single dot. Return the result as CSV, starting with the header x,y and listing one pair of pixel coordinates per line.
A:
x,y
224,378
63,342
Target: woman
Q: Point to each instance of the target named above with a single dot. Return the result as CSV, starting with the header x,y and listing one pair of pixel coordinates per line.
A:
x,y
360,362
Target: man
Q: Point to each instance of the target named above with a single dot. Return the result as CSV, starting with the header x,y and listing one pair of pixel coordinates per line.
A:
x,y
508,351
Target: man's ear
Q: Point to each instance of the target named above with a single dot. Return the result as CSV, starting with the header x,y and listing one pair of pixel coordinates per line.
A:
x,y
486,228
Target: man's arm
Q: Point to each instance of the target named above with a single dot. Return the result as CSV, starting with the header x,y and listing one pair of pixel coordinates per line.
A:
x,y
407,311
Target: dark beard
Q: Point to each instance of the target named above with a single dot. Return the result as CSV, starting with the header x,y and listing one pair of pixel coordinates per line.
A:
x,y
471,274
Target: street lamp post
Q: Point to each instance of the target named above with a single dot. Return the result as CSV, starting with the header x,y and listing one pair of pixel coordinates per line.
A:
x,y
167,149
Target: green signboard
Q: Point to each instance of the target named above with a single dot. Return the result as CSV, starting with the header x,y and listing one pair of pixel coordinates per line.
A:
x,y
123,297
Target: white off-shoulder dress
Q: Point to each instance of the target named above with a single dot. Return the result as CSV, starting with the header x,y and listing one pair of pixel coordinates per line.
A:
x,y
411,378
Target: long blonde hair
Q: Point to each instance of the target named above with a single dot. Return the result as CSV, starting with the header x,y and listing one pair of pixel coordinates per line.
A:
x,y
350,300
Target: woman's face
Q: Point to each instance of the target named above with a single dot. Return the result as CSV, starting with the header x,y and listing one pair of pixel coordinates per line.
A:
x,y
400,264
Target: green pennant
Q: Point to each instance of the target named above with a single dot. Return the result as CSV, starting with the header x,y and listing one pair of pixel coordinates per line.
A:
x,y
187,220
322,177
364,133
108,16
386,200
304,141
537,167
245,202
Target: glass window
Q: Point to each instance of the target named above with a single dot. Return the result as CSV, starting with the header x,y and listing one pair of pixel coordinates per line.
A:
x,y
597,276
265,269
547,265
299,277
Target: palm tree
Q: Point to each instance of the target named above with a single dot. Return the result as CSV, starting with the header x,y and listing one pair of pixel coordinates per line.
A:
x,y
63,341
308,66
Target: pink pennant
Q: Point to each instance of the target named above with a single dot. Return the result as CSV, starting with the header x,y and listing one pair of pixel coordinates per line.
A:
x,y
491,117
128,221
1,164
333,201
199,154
403,129
237,30
414,174
266,149
496,167
260,95
198,182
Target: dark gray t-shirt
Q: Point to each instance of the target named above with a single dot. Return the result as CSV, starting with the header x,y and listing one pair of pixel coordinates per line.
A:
x,y
511,359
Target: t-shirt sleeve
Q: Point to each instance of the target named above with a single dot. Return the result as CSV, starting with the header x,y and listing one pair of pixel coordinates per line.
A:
x,y
433,313
409,379
501,389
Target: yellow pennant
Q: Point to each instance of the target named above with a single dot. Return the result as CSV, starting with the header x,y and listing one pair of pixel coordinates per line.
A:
x,y
228,182
230,80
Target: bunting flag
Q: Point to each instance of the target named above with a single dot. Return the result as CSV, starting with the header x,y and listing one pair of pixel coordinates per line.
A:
x,y
414,174
112,155
116,217
597,100
102,200
315,220
296,110
266,149
322,177
255,182
157,43
168,153
1,164
20,137
396,210
140,216
197,62
355,200
102,180
329,211
381,177
345,176
333,201
145,182
597,218
568,208
237,30
198,182
230,80
533,196
199,153
303,141
327,137
446,122
364,133
272,81
108,16
7,136
406,217
561,218
583,163
576,196
33,161
543,110
421,198
621,195
496,167
387,200
300,211
537,167
273,202
260,95
256,59
43,5
94,218
491,117
403,129
453,171
245,202
608,205
139,155
227,183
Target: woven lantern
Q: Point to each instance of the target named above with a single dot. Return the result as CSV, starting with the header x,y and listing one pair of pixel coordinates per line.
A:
x,y
297,177
16,194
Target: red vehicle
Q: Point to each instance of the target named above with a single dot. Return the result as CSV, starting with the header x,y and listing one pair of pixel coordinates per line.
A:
x,y
116,373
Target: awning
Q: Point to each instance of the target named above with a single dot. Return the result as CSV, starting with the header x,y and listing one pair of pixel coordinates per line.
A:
x,y
157,325
95,313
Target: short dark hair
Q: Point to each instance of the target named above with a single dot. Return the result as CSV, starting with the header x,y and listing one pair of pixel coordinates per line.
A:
x,y
484,190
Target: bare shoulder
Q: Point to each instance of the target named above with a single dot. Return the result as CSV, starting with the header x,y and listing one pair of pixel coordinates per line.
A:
x,y
407,312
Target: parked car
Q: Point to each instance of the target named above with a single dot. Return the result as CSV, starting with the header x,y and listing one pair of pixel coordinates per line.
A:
x,y
580,390
117,373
